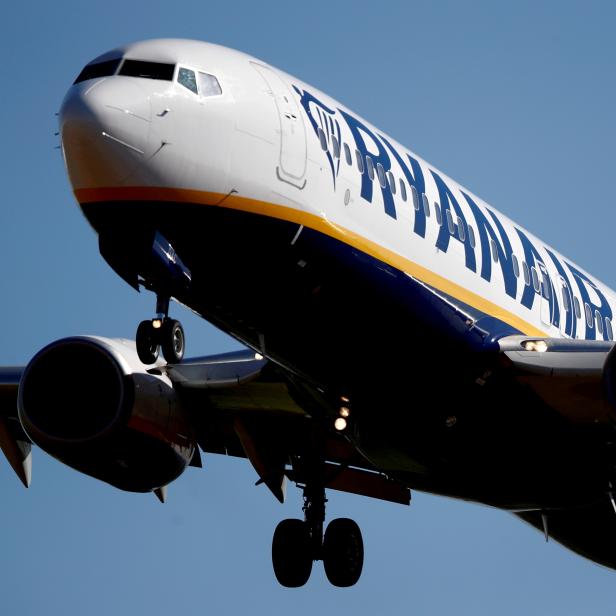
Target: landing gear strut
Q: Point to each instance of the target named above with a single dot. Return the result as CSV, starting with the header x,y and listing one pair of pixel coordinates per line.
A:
x,y
160,332
297,543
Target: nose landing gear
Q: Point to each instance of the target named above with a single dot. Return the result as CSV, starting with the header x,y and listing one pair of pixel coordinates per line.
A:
x,y
163,332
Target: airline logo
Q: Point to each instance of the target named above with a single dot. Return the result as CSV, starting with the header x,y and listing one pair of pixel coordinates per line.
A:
x,y
492,234
322,117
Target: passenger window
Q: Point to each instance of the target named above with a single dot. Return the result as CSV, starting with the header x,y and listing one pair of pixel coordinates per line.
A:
x,y
415,198
403,189
526,273
494,251
588,312
381,174
392,182
187,78
516,266
599,321
426,204
370,167
450,225
461,232
438,214
471,236
336,146
208,85
545,286
608,329
360,161
566,298
535,277
322,139
347,154
576,307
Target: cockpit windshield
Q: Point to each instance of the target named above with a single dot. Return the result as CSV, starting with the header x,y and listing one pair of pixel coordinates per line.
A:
x,y
198,82
129,68
147,70
99,69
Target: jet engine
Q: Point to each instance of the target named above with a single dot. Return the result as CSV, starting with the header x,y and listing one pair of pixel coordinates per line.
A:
x,y
90,403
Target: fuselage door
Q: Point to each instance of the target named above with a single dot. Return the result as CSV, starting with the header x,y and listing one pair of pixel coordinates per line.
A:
x,y
292,160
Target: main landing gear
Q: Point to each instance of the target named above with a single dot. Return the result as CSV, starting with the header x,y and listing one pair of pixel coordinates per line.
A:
x,y
163,332
297,543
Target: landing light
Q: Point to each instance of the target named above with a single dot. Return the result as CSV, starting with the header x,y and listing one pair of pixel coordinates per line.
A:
x,y
340,424
344,411
540,346
258,356
344,399
157,323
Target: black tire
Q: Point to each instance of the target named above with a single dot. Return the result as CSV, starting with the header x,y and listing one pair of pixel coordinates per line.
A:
x,y
146,341
291,553
172,341
343,552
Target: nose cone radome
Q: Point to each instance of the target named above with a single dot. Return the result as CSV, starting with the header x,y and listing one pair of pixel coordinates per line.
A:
x,y
105,127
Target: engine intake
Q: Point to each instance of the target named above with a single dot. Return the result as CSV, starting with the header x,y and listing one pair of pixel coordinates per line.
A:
x,y
90,403
72,391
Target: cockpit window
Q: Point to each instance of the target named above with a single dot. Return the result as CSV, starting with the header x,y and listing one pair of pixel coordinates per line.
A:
x,y
187,78
208,85
147,70
100,69
198,82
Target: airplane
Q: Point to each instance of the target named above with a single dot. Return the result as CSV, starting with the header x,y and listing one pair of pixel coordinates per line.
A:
x,y
401,334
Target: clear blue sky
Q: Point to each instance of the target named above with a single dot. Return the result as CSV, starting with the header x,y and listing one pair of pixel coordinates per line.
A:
x,y
513,99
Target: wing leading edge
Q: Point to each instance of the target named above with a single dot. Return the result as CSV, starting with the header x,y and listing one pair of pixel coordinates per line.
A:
x,y
576,378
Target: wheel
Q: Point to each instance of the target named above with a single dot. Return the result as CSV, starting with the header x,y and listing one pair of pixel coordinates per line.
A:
x,y
343,552
172,341
291,553
147,342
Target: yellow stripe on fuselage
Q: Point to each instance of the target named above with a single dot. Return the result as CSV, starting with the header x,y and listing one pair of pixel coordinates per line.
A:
x,y
312,221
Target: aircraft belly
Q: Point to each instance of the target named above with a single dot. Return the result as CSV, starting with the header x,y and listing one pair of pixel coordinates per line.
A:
x,y
344,320
307,296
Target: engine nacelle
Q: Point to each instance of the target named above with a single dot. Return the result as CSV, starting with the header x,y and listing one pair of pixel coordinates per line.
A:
x,y
90,403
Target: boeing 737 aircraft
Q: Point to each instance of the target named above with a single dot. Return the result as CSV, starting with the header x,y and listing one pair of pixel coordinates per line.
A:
x,y
401,333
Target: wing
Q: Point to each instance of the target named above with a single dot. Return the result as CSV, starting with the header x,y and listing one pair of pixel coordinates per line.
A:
x,y
14,443
576,378
588,531
247,407
238,405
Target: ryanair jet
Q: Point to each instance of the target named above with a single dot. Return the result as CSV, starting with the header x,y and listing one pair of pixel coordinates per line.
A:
x,y
400,332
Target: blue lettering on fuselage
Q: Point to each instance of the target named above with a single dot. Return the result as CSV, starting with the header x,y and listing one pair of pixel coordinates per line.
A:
x,y
604,309
487,234
414,177
490,228
357,128
533,258
570,319
448,201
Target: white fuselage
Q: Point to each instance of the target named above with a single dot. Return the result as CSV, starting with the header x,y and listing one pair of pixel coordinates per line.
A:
x,y
273,145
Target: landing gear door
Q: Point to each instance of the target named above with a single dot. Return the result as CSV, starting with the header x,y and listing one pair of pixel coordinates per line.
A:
x,y
293,158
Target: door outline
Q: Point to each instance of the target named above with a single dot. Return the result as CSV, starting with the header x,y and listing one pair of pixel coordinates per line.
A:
x,y
293,140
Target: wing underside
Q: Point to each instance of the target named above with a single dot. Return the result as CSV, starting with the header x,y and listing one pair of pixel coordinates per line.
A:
x,y
243,405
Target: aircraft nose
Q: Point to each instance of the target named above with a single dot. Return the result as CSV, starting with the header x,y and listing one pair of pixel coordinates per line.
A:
x,y
105,128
